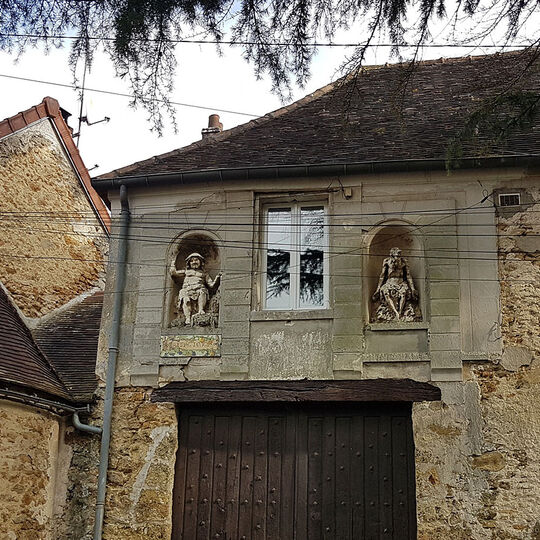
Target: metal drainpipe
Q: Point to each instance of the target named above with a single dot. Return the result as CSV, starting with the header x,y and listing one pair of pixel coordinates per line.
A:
x,y
111,366
84,427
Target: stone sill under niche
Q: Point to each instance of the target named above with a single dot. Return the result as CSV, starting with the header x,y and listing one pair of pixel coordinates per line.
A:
x,y
190,330
289,315
378,327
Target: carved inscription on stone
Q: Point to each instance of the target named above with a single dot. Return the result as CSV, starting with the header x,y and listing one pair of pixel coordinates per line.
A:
x,y
396,294
178,346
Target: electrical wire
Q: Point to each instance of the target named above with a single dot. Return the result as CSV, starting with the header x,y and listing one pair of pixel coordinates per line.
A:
x,y
275,43
122,94
231,274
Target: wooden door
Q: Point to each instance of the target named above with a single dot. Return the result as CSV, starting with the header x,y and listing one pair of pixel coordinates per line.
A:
x,y
303,473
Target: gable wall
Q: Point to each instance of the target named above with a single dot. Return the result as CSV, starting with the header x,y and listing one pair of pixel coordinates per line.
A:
x,y
52,246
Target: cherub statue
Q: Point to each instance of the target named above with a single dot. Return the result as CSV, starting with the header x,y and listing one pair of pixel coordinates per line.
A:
x,y
396,291
196,286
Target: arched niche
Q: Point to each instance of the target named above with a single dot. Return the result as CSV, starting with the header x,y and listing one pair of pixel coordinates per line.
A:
x,y
196,241
383,238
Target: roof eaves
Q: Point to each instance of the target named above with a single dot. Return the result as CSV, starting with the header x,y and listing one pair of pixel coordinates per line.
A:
x,y
63,390
311,170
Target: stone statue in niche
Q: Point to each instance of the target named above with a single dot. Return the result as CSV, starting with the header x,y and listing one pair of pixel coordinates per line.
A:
x,y
198,299
396,293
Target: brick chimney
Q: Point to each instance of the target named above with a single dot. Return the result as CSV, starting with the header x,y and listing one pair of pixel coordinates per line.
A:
x,y
214,126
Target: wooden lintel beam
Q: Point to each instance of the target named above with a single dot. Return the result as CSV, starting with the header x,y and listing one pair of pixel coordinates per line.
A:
x,y
378,390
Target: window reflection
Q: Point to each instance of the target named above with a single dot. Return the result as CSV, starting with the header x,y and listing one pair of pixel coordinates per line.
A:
x,y
311,257
295,251
278,259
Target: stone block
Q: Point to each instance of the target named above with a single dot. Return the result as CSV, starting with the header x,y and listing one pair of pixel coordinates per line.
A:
x,y
235,314
148,316
347,293
444,307
489,461
235,329
239,199
235,346
239,251
153,252
445,342
169,374
347,362
446,359
445,290
442,324
347,277
515,357
347,262
418,371
200,369
150,299
238,265
347,343
146,347
396,341
441,242
236,297
348,311
233,376
144,375
443,272
348,326
347,375
235,363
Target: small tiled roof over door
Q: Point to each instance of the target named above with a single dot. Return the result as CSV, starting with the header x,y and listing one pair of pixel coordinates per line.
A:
x,y
21,361
369,119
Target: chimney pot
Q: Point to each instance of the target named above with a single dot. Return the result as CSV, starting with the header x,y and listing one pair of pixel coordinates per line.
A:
x,y
214,126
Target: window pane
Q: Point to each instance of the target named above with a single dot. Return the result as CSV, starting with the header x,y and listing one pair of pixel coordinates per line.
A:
x,y
311,257
278,259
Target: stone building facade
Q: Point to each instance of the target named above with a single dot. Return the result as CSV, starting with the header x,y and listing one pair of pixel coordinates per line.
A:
x,y
298,215
53,248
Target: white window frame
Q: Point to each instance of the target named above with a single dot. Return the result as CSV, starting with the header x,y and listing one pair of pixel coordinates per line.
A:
x,y
294,250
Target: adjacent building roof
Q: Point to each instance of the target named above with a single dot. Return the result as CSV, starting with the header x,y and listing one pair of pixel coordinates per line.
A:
x,y
49,108
369,119
69,339
21,360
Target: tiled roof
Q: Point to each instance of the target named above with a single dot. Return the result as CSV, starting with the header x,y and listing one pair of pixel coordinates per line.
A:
x,y
49,108
70,340
21,361
365,120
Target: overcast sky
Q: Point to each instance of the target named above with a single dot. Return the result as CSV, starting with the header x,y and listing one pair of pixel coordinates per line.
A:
x,y
204,79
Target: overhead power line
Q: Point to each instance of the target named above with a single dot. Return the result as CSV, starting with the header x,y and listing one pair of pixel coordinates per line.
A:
x,y
238,274
121,94
234,43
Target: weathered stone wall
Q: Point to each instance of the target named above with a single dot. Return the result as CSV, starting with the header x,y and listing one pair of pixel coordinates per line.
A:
x,y
28,471
52,245
478,451
141,469
75,506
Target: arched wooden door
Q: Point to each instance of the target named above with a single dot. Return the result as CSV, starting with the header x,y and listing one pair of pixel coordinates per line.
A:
x,y
295,472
